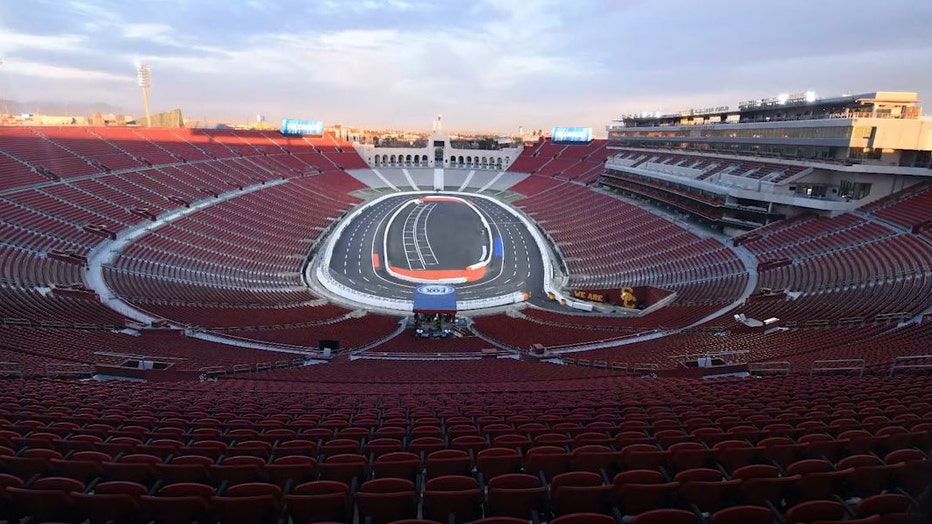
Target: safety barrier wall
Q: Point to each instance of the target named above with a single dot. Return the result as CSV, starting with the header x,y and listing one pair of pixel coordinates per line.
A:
x,y
323,276
332,285
543,246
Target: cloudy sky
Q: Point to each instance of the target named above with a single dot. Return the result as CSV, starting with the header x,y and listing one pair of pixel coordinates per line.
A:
x,y
484,64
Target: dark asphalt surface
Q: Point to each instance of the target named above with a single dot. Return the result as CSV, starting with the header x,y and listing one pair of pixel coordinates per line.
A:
x,y
453,232
446,235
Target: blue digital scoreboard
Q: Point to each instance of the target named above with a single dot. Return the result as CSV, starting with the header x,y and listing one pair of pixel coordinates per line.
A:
x,y
571,134
302,127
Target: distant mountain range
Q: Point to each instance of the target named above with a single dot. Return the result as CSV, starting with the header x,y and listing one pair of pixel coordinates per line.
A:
x,y
58,108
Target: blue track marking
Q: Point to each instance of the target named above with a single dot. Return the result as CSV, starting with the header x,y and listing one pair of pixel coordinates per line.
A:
x,y
498,249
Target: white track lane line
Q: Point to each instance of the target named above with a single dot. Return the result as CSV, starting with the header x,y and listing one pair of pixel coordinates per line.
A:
x,y
405,230
429,253
389,285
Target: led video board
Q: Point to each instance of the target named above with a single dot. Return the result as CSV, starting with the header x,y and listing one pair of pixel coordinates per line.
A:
x,y
302,127
571,134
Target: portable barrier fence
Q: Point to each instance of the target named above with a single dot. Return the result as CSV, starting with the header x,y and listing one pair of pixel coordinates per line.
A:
x,y
211,372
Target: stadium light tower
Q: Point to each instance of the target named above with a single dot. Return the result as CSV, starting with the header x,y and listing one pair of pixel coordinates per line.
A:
x,y
144,80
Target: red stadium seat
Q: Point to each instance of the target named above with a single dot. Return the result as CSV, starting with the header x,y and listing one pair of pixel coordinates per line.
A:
x,y
115,501
178,503
516,495
579,492
249,502
454,495
386,500
319,501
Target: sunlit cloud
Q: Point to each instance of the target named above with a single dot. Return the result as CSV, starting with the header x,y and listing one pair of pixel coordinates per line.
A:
x,y
364,6
484,64
62,73
146,31
14,42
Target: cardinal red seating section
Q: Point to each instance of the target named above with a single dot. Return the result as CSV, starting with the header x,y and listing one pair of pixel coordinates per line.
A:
x,y
480,440
665,450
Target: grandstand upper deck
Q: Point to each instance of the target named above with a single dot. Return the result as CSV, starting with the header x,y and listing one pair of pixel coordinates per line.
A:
x,y
877,128
783,108
772,158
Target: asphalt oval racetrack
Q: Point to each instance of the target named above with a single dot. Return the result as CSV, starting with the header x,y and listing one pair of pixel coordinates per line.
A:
x,y
456,238
436,235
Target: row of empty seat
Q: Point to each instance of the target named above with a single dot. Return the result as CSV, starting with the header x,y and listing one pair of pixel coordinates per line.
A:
x,y
611,446
608,243
198,263
701,166
579,162
201,271
36,155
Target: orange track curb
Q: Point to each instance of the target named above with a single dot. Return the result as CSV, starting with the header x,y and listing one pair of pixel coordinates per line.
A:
x,y
471,275
443,199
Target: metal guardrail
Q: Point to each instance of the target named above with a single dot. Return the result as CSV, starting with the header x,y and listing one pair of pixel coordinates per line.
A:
x,y
69,370
458,355
712,354
138,356
853,364
561,349
642,367
762,368
11,369
211,372
612,366
911,362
